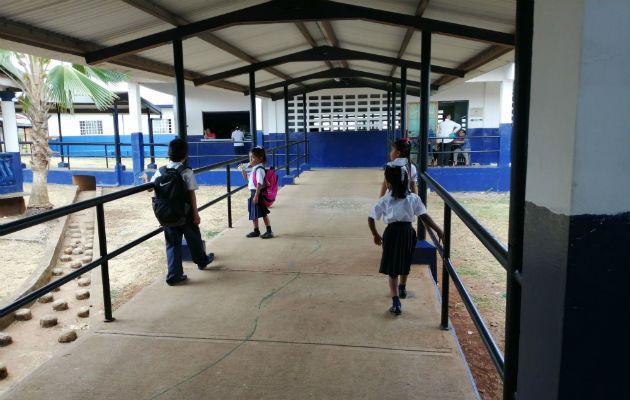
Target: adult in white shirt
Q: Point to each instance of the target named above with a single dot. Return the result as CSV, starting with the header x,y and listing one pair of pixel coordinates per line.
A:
x,y
445,131
237,138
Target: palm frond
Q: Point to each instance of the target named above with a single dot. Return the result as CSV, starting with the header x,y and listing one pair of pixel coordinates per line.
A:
x,y
8,67
100,74
66,83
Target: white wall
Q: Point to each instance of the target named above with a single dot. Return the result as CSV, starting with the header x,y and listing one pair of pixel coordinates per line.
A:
x,y
70,123
199,100
484,102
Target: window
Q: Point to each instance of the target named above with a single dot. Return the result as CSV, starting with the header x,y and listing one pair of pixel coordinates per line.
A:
x,y
164,125
91,127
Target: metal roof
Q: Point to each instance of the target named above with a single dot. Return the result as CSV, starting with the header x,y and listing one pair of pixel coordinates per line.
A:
x,y
73,28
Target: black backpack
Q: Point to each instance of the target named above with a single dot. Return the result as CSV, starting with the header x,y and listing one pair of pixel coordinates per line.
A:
x,y
171,204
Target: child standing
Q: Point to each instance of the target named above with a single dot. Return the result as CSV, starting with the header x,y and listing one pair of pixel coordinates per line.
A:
x,y
174,173
398,208
255,183
399,157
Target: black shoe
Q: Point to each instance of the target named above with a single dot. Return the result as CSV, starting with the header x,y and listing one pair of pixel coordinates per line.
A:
x,y
210,259
402,292
253,234
177,280
266,235
395,310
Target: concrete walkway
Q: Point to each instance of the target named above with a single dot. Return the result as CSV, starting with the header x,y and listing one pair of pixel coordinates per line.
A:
x,y
302,316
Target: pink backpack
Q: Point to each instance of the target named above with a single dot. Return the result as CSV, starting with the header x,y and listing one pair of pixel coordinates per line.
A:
x,y
270,186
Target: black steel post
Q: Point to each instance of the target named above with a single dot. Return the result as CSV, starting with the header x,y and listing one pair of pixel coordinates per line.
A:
x,y
518,178
304,114
252,107
117,135
106,158
286,129
228,181
445,277
425,94
403,102
60,133
389,119
151,140
180,91
102,246
393,111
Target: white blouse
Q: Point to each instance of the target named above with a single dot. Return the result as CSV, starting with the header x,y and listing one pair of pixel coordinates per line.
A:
x,y
393,209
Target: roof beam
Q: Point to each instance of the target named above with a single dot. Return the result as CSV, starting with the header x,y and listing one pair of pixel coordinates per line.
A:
x,y
44,39
344,84
335,73
331,37
409,34
325,53
310,39
484,57
167,16
296,11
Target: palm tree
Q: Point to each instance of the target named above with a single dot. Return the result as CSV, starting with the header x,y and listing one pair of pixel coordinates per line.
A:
x,y
47,84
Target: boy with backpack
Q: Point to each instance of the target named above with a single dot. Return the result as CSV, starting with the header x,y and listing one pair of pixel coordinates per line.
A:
x,y
175,206
263,186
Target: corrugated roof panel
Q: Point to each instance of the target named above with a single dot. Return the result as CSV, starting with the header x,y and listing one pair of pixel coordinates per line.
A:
x,y
496,15
106,22
359,34
196,10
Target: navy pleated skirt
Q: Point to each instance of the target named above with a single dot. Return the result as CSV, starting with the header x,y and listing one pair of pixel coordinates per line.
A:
x,y
256,210
399,243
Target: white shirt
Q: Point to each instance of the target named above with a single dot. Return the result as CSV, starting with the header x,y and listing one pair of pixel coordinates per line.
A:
x,y
187,175
393,209
237,137
445,128
259,170
402,162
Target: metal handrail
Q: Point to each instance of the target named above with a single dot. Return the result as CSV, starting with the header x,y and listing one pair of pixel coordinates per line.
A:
x,y
488,239
102,261
449,272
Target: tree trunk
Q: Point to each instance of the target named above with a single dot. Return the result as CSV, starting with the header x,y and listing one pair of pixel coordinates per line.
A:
x,y
39,162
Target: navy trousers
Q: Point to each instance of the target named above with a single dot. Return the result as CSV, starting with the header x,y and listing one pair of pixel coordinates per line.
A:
x,y
173,236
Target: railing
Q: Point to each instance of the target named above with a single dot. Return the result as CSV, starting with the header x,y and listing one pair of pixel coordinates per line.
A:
x,y
105,256
491,242
435,156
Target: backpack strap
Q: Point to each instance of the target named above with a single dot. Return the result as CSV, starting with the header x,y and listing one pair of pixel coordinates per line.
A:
x,y
162,170
181,169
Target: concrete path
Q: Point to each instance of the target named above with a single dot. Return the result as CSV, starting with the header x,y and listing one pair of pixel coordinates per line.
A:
x,y
301,316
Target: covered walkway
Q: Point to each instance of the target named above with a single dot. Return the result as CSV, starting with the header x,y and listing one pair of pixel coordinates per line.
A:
x,y
302,316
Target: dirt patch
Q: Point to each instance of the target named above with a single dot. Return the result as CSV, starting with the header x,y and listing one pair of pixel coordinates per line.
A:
x,y
131,217
485,279
22,251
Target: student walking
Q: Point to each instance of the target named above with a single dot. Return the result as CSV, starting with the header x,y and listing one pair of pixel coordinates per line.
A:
x,y
255,183
175,206
398,208
399,154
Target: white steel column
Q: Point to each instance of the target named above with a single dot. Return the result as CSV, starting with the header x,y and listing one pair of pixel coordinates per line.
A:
x,y
135,108
9,123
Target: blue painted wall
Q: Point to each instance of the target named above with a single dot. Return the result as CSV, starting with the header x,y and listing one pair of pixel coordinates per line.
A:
x,y
473,179
99,151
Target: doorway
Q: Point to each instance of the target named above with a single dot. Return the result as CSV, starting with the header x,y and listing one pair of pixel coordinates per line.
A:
x,y
458,110
222,123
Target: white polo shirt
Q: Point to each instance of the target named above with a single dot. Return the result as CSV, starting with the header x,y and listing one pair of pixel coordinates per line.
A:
x,y
393,209
238,137
259,170
445,128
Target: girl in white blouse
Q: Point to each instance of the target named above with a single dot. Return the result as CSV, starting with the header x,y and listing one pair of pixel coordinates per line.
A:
x,y
399,154
398,208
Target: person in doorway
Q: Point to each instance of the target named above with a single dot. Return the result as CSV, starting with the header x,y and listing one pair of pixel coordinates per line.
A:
x,y
176,171
399,154
256,208
237,138
398,208
445,134
209,134
460,146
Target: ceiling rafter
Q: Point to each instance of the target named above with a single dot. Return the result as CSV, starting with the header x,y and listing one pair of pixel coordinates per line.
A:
x,y
484,57
310,39
29,35
335,73
166,15
422,6
331,37
283,11
325,53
